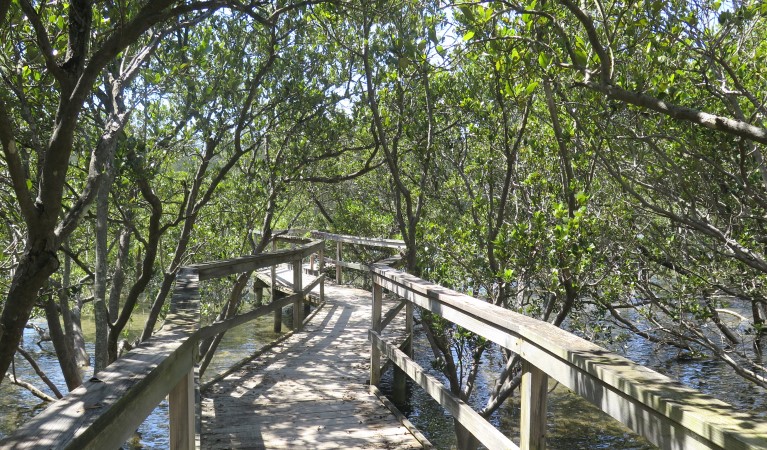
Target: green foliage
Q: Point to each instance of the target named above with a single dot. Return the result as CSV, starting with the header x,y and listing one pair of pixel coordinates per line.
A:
x,y
450,145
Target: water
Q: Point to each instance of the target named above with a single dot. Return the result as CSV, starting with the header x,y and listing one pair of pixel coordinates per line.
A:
x,y
18,404
573,423
710,376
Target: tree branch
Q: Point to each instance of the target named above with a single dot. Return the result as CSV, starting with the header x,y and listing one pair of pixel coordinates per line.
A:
x,y
39,372
710,121
30,387
4,6
43,42
15,166
605,58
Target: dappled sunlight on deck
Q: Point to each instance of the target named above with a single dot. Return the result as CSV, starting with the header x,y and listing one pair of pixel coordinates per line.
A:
x,y
315,387
310,391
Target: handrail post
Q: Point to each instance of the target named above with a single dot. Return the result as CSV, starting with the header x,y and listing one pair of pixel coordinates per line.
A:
x,y
321,272
534,391
375,353
181,411
258,291
298,287
339,274
399,384
409,328
273,293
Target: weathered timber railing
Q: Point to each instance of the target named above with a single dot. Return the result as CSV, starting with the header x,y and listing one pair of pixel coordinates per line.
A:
x,y
106,410
399,386
341,239
668,414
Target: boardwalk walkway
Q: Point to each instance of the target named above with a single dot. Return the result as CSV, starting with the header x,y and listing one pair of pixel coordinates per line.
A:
x,y
308,392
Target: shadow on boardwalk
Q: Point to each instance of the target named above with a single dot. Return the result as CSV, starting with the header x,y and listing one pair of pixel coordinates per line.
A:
x,y
308,392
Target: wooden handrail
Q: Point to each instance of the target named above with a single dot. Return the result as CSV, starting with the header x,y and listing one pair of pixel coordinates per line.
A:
x,y
104,412
341,239
363,267
666,413
227,324
218,269
369,242
485,432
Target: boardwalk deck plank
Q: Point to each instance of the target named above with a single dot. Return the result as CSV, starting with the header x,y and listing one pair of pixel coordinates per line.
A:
x,y
307,392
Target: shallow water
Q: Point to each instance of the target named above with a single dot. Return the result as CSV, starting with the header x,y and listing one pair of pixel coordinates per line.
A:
x,y
18,405
573,423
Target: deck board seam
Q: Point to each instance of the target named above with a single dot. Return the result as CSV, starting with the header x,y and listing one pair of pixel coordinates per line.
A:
x,y
307,391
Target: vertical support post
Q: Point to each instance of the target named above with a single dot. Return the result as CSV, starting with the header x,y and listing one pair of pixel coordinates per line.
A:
x,y
298,287
181,408
375,354
399,386
321,272
339,280
311,263
409,328
258,288
533,393
278,311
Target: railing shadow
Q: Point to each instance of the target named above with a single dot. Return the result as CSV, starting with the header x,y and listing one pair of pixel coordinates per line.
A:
x,y
106,410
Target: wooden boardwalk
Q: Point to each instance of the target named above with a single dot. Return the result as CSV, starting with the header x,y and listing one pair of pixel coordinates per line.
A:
x,y
309,392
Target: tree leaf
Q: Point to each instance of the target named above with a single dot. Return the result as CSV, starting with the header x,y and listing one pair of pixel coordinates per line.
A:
x,y
543,60
581,58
